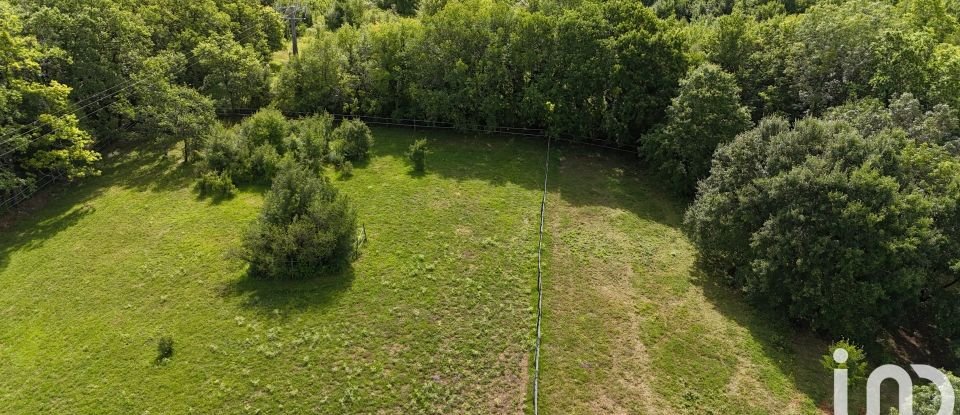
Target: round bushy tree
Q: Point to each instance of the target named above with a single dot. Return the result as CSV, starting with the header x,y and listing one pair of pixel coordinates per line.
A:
x,y
305,227
845,233
267,126
705,114
353,139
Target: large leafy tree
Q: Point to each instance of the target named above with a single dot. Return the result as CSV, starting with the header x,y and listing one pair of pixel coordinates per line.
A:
x,y
167,111
234,75
39,134
612,71
101,44
462,77
317,80
846,232
705,114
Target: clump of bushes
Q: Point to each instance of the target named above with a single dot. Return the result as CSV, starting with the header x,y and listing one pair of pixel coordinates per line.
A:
x,y
305,227
353,140
927,398
254,151
218,185
417,154
267,126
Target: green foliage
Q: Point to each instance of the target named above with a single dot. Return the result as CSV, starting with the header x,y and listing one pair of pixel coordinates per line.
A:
x,y
946,75
417,154
318,79
927,398
39,134
265,127
170,112
223,152
850,234
856,363
310,143
217,185
707,113
346,169
253,151
346,12
353,139
401,7
939,125
304,228
487,63
164,348
104,45
235,76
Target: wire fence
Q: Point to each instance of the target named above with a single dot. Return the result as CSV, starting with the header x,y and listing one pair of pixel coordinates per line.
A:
x,y
536,357
441,125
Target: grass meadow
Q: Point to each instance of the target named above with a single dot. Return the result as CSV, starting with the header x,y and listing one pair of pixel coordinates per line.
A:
x,y
435,316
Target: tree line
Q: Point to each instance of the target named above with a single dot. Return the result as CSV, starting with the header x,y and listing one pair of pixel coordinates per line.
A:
x,y
79,72
817,140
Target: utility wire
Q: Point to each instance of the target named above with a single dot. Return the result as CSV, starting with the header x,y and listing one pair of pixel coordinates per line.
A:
x,y
23,195
130,83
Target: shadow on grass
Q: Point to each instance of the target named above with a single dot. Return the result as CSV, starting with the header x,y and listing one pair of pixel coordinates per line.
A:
x,y
416,174
498,160
796,352
518,160
61,206
267,295
585,177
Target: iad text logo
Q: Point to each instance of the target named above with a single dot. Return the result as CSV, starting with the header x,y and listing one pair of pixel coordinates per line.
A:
x,y
904,387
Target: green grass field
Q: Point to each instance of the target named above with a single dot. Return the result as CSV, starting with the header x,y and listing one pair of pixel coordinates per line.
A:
x,y
632,328
436,316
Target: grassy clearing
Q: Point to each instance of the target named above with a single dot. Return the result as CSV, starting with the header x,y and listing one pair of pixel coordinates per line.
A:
x,y
435,316
630,326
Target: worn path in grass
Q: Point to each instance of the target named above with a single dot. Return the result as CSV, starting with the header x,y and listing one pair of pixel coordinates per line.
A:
x,y
434,317
629,325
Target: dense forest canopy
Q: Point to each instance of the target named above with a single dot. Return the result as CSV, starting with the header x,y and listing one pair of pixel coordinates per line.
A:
x,y
835,120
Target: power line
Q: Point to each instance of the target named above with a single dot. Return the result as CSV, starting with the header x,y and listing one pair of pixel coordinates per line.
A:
x,y
130,83
22,194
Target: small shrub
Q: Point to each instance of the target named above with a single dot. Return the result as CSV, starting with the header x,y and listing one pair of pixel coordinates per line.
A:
x,y
855,362
264,161
267,126
222,150
335,155
356,139
305,226
346,170
417,153
216,184
164,348
312,138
